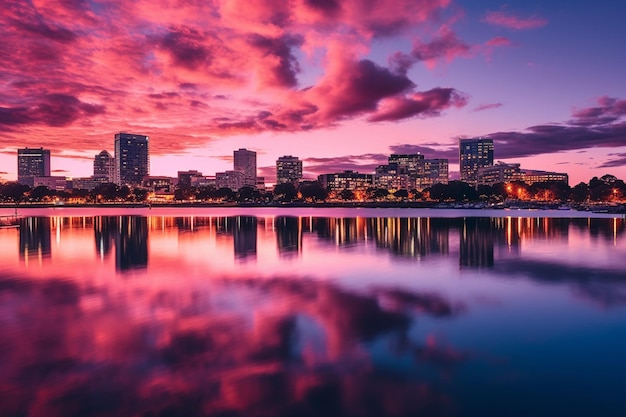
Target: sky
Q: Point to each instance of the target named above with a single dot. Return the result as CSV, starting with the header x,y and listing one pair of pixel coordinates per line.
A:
x,y
339,83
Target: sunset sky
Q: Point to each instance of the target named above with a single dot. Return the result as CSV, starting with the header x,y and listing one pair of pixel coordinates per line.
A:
x,y
339,83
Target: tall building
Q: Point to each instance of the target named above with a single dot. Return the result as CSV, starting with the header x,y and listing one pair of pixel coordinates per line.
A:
x,y
132,161
288,169
245,162
474,154
104,166
31,163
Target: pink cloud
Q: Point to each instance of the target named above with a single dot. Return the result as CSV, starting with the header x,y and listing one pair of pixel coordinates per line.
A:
x,y
499,41
186,72
489,106
504,19
421,104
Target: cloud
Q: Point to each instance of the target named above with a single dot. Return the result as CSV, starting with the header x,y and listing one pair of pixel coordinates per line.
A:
x,y
188,72
279,65
424,104
617,162
53,110
428,152
489,106
603,125
510,21
364,163
445,46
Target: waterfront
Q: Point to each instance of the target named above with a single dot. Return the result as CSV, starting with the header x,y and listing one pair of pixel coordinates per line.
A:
x,y
334,312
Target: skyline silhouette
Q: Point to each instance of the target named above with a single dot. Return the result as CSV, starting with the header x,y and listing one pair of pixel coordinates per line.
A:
x,y
343,83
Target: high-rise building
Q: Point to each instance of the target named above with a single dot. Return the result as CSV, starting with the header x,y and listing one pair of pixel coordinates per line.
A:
x,y
104,166
132,161
474,154
31,163
245,161
288,169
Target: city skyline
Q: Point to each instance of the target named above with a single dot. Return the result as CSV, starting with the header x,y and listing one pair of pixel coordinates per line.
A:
x,y
344,83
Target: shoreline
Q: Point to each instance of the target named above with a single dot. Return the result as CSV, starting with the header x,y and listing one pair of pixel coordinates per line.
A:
x,y
611,208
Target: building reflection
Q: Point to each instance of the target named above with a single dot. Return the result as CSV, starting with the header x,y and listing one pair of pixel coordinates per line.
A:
x,y
245,236
288,235
35,239
131,243
104,228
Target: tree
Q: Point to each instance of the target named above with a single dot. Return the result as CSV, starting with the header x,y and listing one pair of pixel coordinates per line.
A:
x,y
347,195
380,193
247,194
225,194
39,193
285,192
580,193
402,194
14,192
313,191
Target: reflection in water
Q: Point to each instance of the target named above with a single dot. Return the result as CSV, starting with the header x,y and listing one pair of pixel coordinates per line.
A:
x,y
131,243
35,241
288,235
105,230
349,335
245,234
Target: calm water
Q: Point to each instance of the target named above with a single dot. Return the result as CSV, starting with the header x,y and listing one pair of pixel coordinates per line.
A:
x,y
312,313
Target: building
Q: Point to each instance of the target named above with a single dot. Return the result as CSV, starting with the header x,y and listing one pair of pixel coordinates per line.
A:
x,y
202,181
185,177
132,161
245,161
474,154
435,171
158,184
31,163
230,179
531,176
389,177
498,173
409,164
288,169
88,183
346,180
54,183
104,166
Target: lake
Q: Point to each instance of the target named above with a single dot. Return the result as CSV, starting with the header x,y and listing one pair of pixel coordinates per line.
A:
x,y
312,312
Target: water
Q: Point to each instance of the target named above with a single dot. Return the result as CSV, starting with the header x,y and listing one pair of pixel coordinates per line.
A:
x,y
268,312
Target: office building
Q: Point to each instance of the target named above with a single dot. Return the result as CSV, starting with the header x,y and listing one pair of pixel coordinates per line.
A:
x,y
57,183
104,166
498,173
346,180
132,161
474,154
31,163
185,177
244,161
531,176
288,169
435,171
230,179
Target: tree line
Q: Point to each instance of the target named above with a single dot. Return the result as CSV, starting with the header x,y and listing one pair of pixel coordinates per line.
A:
x,y
607,188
